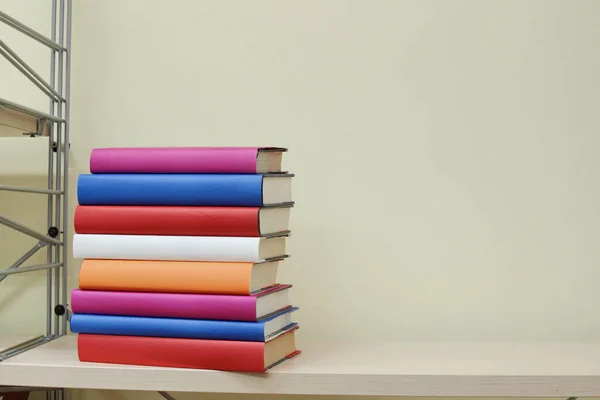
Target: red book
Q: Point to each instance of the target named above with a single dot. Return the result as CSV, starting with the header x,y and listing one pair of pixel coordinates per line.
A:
x,y
182,221
221,355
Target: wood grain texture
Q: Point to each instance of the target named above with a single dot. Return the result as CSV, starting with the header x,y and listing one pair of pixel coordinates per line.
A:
x,y
377,369
15,124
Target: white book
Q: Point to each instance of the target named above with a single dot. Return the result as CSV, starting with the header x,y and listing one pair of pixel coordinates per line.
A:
x,y
179,248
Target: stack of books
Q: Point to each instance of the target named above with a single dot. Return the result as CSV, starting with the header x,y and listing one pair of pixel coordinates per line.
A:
x,y
181,249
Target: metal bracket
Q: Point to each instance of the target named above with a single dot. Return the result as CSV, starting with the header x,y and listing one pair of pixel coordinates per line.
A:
x,y
24,258
30,268
28,231
41,124
166,395
19,189
55,147
22,347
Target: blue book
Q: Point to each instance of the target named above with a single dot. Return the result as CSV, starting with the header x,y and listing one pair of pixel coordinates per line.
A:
x,y
259,331
236,190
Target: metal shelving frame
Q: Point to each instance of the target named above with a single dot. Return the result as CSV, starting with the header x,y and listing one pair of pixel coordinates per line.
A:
x,y
54,125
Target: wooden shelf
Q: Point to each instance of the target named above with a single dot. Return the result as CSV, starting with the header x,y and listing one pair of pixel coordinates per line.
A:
x,y
378,369
19,121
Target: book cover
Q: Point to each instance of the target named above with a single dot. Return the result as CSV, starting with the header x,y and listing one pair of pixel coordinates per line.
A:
x,y
178,248
238,190
181,305
198,160
223,355
258,331
181,220
196,277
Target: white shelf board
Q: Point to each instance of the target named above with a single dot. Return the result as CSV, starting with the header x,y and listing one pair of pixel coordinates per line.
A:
x,y
18,125
337,368
20,154
16,119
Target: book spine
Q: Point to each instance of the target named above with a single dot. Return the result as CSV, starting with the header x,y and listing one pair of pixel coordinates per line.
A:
x,y
172,352
169,305
168,327
166,276
198,160
174,248
167,220
235,190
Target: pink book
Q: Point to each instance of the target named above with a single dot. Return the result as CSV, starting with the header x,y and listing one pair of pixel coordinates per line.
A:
x,y
186,160
178,305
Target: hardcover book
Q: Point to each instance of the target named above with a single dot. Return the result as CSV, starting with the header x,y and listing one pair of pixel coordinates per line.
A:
x,y
257,331
235,190
196,277
179,248
187,160
182,220
223,355
254,307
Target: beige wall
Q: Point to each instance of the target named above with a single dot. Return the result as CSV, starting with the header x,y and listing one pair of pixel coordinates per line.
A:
x,y
445,151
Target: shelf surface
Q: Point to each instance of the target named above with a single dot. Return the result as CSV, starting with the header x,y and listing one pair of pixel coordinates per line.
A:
x,y
19,121
378,369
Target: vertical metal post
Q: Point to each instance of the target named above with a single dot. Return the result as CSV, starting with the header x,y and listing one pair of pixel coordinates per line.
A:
x,y
65,227
50,253
59,169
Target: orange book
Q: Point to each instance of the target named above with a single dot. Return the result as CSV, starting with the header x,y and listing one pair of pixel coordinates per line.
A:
x,y
201,277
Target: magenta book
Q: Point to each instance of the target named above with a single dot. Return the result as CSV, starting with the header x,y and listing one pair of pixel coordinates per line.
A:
x,y
186,160
178,305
